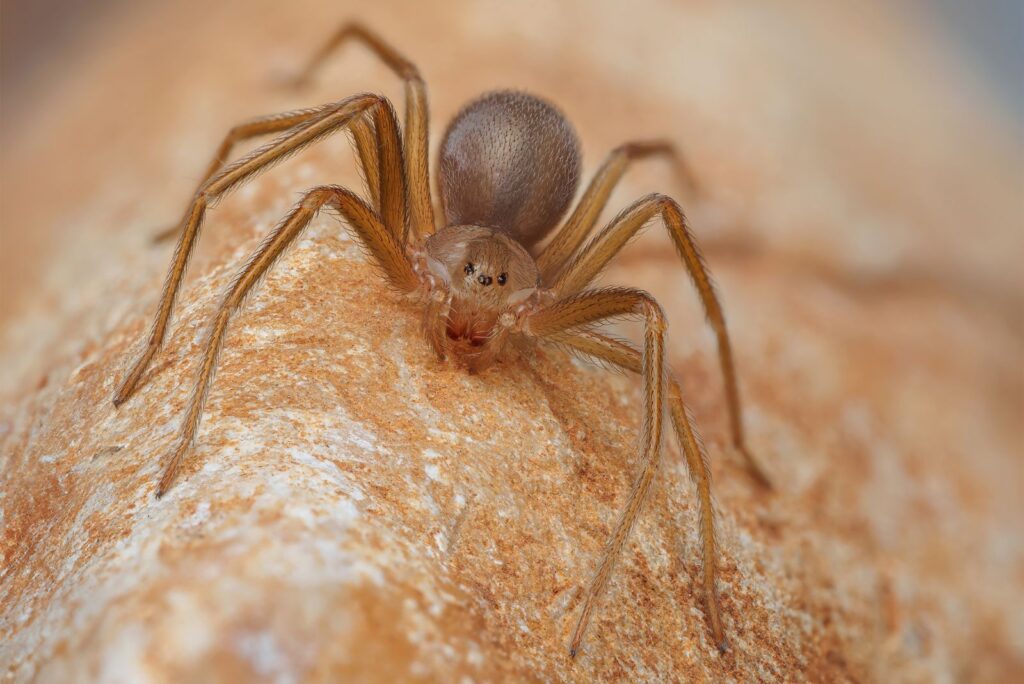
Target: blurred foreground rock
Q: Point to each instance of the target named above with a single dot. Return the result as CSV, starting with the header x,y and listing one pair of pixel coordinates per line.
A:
x,y
355,511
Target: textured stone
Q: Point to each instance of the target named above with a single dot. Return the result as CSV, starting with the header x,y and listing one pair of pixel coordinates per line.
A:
x,y
353,510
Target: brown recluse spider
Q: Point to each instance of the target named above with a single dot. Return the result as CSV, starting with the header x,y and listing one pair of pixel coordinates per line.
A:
x,y
509,168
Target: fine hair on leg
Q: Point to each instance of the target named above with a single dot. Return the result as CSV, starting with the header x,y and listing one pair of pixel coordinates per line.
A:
x,y
588,263
588,308
416,130
568,239
624,355
330,119
259,126
364,223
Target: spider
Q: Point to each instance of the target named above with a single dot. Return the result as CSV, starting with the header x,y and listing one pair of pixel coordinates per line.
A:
x,y
509,168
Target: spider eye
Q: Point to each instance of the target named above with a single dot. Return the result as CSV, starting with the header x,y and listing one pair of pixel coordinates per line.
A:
x,y
502,278
469,269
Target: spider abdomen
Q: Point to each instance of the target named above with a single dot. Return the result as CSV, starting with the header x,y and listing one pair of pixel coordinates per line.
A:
x,y
509,160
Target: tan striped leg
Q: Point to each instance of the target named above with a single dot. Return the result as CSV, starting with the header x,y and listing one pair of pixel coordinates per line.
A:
x,y
330,119
263,125
624,355
570,237
417,119
585,309
387,252
593,258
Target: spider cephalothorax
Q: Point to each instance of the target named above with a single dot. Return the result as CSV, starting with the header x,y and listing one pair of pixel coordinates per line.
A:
x,y
482,273
509,167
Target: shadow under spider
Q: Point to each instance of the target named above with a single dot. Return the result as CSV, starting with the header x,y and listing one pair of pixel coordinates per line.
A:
x,y
589,439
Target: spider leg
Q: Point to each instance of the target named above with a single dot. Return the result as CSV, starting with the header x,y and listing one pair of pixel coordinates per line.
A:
x,y
361,129
435,321
570,237
380,242
624,355
331,119
364,134
589,262
585,309
415,141
262,125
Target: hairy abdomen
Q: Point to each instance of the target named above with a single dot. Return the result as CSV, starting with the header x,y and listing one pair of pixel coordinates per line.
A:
x,y
511,161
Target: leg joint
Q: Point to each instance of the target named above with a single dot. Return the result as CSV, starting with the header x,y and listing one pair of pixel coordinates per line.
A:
x,y
653,313
318,196
375,100
411,75
661,200
668,205
403,67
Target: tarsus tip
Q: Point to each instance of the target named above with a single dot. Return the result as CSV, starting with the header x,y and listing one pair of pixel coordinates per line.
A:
x,y
120,396
574,645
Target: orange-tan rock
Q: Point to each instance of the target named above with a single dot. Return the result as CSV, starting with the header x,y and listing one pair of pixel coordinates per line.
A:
x,y
354,510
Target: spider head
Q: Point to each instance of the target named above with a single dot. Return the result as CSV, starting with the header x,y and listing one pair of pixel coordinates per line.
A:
x,y
482,266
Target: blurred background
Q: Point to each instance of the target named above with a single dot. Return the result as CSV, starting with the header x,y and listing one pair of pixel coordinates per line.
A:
x,y
950,68
861,168
935,74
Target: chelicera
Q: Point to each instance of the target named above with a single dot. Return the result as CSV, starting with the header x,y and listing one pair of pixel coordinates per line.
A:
x,y
509,169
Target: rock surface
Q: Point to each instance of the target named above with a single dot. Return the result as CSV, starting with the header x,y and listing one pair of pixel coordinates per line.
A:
x,y
355,511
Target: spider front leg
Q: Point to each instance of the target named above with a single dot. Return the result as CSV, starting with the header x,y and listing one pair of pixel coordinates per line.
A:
x,y
388,253
330,119
435,315
579,311
626,356
416,130
593,258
